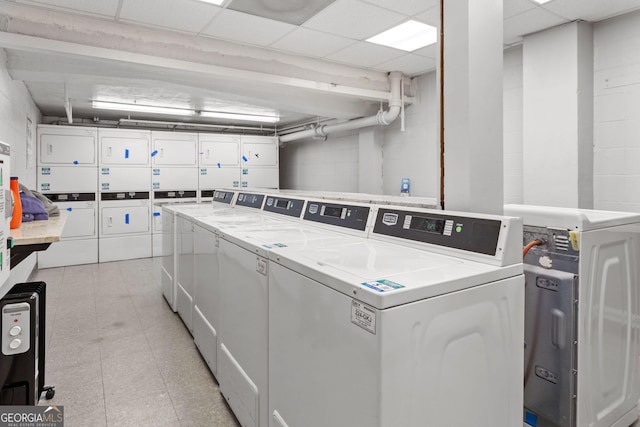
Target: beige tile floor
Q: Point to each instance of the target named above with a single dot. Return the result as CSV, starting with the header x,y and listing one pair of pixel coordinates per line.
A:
x,y
118,356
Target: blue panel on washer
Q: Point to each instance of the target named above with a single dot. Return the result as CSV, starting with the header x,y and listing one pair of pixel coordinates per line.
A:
x,y
530,418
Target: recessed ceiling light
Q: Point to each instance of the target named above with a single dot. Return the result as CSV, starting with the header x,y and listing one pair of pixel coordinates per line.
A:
x,y
235,116
541,1
409,36
216,2
118,106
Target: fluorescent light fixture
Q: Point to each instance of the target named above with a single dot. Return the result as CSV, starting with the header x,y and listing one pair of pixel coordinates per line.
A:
x,y
119,106
216,2
234,116
541,1
409,36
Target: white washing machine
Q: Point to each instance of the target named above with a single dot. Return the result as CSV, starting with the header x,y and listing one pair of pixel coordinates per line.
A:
x,y
168,276
79,239
125,226
244,295
206,293
239,216
420,325
582,331
161,198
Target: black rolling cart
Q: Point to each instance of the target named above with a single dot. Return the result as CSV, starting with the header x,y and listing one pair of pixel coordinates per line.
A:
x,y
22,355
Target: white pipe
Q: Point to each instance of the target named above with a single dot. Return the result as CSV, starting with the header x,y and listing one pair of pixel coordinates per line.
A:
x,y
67,105
382,118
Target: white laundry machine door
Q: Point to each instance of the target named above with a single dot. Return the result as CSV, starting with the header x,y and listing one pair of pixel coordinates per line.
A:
x,y
206,295
66,145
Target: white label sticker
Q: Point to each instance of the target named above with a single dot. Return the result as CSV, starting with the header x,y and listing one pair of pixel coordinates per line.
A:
x,y
363,316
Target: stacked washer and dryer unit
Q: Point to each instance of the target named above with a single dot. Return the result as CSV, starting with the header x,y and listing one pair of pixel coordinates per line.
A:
x,y
67,161
125,199
174,175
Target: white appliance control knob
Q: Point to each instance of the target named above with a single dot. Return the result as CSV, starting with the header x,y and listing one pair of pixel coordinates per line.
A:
x,y
15,331
15,343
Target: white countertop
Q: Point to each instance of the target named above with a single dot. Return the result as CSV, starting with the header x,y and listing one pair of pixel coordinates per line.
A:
x,y
36,232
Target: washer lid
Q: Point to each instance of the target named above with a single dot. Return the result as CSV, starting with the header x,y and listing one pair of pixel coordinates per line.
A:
x,y
385,274
570,218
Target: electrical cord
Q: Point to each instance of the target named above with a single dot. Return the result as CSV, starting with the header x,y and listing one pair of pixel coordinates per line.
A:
x,y
537,242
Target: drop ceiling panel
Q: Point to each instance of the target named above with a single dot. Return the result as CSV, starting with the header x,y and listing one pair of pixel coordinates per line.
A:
x,y
591,10
406,7
101,8
410,64
188,16
311,43
354,19
529,22
290,11
232,25
430,16
430,51
365,54
516,7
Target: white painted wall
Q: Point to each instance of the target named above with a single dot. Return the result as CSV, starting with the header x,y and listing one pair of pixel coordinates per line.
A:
x,y
330,165
617,113
512,131
333,165
16,106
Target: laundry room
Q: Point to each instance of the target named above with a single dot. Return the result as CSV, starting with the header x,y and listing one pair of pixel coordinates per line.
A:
x,y
318,213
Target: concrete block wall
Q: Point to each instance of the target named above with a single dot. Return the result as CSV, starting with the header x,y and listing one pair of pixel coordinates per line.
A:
x,y
512,125
617,113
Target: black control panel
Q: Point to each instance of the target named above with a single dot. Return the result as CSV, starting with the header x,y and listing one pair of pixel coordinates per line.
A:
x,y
284,206
125,195
250,200
348,216
175,194
206,193
469,234
72,197
223,196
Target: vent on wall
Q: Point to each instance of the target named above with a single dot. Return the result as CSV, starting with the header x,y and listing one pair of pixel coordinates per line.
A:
x,y
562,242
291,11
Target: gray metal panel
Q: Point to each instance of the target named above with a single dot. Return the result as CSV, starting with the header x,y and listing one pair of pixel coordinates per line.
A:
x,y
550,351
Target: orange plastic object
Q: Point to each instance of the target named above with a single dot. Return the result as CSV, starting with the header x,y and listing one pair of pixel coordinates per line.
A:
x,y
16,216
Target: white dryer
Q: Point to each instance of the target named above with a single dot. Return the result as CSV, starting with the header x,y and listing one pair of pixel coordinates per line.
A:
x,y
168,277
244,295
79,240
583,304
420,325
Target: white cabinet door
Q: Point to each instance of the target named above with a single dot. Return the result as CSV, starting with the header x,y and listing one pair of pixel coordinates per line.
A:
x,y
259,151
260,177
81,220
65,145
174,179
174,149
117,220
219,150
123,147
67,179
124,179
217,178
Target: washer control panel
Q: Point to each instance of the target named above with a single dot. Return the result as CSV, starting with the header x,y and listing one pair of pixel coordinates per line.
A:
x,y
16,322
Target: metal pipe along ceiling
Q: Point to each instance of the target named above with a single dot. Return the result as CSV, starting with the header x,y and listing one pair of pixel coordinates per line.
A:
x,y
383,118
